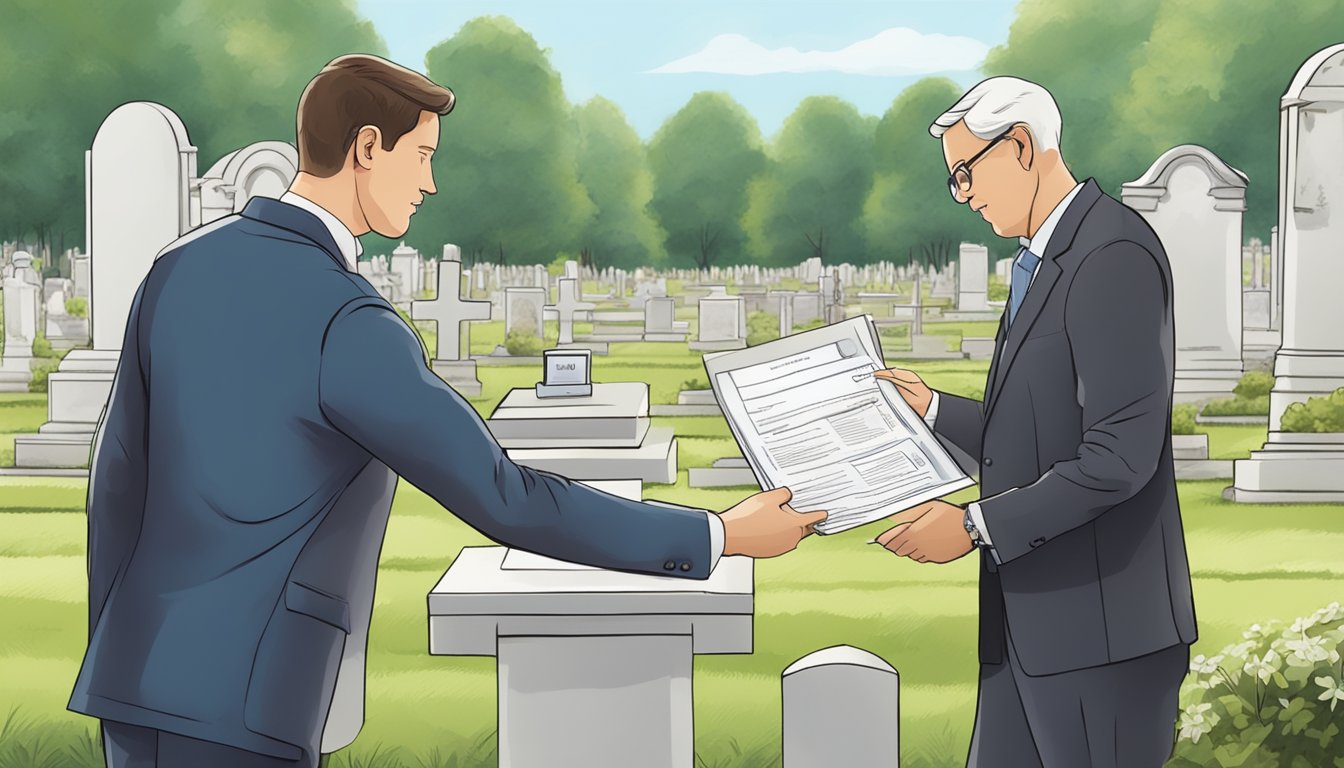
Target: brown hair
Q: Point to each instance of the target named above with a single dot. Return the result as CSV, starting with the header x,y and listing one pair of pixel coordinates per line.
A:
x,y
358,90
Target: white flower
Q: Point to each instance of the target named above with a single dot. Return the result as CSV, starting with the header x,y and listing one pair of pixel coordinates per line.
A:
x,y
1301,625
1333,693
1263,666
1253,633
1205,666
1197,720
1311,650
1240,649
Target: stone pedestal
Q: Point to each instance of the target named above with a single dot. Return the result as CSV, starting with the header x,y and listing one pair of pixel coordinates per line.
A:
x,y
594,666
76,396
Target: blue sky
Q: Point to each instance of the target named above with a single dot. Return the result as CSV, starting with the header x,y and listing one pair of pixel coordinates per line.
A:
x,y
649,57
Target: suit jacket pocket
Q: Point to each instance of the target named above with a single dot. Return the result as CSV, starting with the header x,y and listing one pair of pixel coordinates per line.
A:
x,y
294,672
310,601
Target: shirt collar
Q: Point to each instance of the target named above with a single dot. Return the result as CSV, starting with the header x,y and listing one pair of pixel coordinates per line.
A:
x,y
345,239
1041,241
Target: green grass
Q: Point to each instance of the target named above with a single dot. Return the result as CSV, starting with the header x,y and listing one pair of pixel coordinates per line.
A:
x,y
1250,562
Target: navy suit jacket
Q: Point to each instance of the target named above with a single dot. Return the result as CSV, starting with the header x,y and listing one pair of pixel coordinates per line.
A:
x,y
241,476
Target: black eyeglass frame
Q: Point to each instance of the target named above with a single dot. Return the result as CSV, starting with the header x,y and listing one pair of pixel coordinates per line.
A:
x,y
964,167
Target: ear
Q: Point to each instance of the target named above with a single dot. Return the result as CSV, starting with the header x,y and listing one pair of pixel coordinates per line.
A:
x,y
1026,146
368,140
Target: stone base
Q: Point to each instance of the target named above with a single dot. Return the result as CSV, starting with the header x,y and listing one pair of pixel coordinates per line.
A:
x,y
458,374
507,360
655,461
718,346
665,337
1203,470
965,316
596,347
1205,384
1190,447
727,472
1232,420
1292,468
76,396
610,338
39,472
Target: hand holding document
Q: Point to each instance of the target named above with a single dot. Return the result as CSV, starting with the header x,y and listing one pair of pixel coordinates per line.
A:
x,y
808,413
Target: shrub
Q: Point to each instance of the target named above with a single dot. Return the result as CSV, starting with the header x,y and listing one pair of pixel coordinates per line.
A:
x,y
1271,700
809,325
761,327
696,383
1254,384
40,373
998,290
1317,414
1238,406
1183,419
523,344
42,348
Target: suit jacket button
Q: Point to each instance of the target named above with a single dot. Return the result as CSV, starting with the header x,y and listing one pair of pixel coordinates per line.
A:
x,y
1037,542
989,462
669,566
685,566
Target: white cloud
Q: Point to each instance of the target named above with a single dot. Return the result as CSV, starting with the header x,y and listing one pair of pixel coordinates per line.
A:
x,y
896,51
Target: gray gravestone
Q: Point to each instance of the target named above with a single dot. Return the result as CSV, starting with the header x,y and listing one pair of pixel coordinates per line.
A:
x,y
453,316
842,707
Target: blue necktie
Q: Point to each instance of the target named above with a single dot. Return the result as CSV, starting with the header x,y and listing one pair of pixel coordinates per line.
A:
x,y
1023,268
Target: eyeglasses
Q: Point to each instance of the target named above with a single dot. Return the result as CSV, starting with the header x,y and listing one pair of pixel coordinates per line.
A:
x,y
959,183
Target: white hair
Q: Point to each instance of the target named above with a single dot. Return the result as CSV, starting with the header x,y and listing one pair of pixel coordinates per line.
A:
x,y
999,102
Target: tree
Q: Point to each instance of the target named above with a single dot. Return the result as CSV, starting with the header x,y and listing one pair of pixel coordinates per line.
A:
x,y
613,167
232,70
909,215
810,200
508,188
702,160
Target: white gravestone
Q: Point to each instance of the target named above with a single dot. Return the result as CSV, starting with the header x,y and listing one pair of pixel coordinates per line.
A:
x,y
138,178
523,310
453,316
973,287
723,323
80,274
842,707
407,263
20,313
567,305
263,169
594,666
660,320
1194,201
1306,467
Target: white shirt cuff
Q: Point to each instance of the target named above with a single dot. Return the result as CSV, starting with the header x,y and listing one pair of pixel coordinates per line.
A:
x,y
931,415
716,537
978,520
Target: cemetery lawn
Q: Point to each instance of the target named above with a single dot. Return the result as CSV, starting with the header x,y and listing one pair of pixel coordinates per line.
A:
x,y
1250,563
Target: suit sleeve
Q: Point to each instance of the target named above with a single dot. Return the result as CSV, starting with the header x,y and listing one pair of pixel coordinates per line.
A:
x,y
118,470
377,389
961,421
1118,321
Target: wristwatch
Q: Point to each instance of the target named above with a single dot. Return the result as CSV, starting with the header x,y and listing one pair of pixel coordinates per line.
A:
x,y
974,532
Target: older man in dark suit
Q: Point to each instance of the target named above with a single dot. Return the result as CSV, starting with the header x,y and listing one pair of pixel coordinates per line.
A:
x,y
1086,615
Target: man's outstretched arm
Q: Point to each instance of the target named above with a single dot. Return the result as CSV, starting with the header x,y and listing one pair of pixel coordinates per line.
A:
x,y
376,388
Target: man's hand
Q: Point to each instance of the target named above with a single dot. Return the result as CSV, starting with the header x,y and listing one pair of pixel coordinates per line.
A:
x,y
916,393
765,525
933,532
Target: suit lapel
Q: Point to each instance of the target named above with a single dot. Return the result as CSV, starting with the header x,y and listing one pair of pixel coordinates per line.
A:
x,y
294,219
1046,276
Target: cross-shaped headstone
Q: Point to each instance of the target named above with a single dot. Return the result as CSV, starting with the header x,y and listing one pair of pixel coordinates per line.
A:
x,y
565,307
449,311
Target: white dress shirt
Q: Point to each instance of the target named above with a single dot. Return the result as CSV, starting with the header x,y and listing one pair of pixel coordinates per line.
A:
x,y
350,251
1040,241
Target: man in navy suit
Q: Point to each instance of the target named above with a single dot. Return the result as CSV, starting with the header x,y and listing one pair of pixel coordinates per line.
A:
x,y
243,470
1086,616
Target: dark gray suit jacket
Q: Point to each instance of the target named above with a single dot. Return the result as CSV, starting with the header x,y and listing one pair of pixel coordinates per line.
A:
x,y
1073,443
240,486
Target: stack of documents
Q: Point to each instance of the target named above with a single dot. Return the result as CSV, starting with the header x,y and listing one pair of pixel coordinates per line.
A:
x,y
808,414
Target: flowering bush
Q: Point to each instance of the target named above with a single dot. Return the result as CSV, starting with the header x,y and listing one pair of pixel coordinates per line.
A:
x,y
1274,699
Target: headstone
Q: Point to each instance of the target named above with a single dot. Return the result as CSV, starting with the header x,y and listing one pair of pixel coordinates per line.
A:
x,y
138,178
594,667
20,315
723,323
1194,201
567,305
973,287
1275,280
452,360
841,708
80,274
806,308
1003,269
566,373
523,309
1306,467
660,321
263,169
407,263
